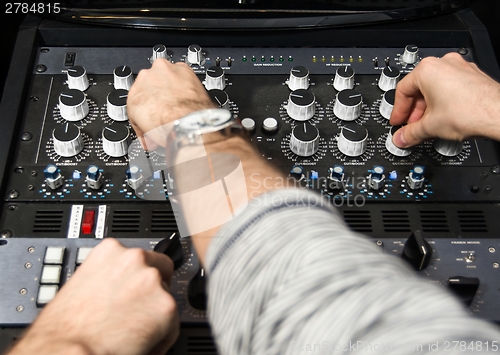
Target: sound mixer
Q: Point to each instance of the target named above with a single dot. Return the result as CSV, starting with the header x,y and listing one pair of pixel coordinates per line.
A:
x,y
117,105
73,105
344,78
77,78
389,78
348,105
123,77
299,78
220,98
67,140
115,140
301,105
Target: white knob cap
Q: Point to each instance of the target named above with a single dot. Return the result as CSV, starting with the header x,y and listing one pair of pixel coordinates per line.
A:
x,y
115,140
159,51
214,78
387,104
301,105
77,78
353,140
389,78
117,105
270,125
194,55
448,148
344,78
220,98
248,124
348,105
299,78
67,140
304,140
410,55
73,105
123,77
394,149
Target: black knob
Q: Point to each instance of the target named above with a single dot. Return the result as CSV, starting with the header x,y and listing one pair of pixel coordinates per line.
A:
x,y
172,248
417,251
464,288
197,296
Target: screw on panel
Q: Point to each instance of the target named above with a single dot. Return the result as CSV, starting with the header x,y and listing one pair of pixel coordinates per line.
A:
x,y
5,234
495,169
379,243
20,308
28,265
19,170
496,265
34,173
40,68
13,194
12,207
23,291
463,51
44,50
31,250
26,136
491,249
34,98
487,189
31,187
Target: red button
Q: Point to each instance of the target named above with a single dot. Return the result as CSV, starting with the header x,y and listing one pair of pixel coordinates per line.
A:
x,y
88,222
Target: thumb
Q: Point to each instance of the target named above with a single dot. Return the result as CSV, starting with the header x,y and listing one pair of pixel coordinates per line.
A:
x,y
410,135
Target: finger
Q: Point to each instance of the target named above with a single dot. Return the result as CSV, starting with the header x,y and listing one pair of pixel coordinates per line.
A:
x,y
410,135
418,110
161,262
407,92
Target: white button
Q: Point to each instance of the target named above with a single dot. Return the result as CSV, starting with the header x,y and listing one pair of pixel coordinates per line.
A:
x,y
82,255
54,255
46,294
51,274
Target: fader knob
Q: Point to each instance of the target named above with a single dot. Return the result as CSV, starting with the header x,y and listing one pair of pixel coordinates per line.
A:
x,y
301,105
392,148
172,248
299,78
77,78
416,178
448,148
387,104
214,78
353,140
348,105
417,251
197,296
53,177
336,178
194,55
115,140
410,55
248,124
389,78
270,125
159,51
220,98
134,177
67,140
123,77
376,179
304,140
465,288
94,177
73,105
117,105
344,78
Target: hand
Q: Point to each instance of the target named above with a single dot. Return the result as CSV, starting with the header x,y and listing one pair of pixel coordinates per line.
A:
x,y
448,98
116,303
163,94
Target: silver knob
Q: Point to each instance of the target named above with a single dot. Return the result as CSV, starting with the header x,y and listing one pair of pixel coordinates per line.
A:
x,y
394,149
248,124
123,77
220,98
353,140
194,55
387,104
301,105
77,78
348,105
410,55
214,79
376,179
304,140
67,140
53,177
416,178
389,78
115,140
270,125
73,105
117,105
159,51
448,148
299,78
94,177
344,78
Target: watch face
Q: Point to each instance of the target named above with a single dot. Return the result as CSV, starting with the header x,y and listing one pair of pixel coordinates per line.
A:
x,y
205,120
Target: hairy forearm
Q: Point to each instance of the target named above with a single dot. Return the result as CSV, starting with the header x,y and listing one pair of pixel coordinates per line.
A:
x,y
34,342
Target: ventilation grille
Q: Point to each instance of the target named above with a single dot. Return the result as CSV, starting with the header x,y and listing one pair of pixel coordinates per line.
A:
x,y
360,221
163,221
48,221
396,221
472,221
434,221
201,345
126,221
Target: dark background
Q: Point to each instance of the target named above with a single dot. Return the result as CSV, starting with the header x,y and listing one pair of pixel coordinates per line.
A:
x,y
488,12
